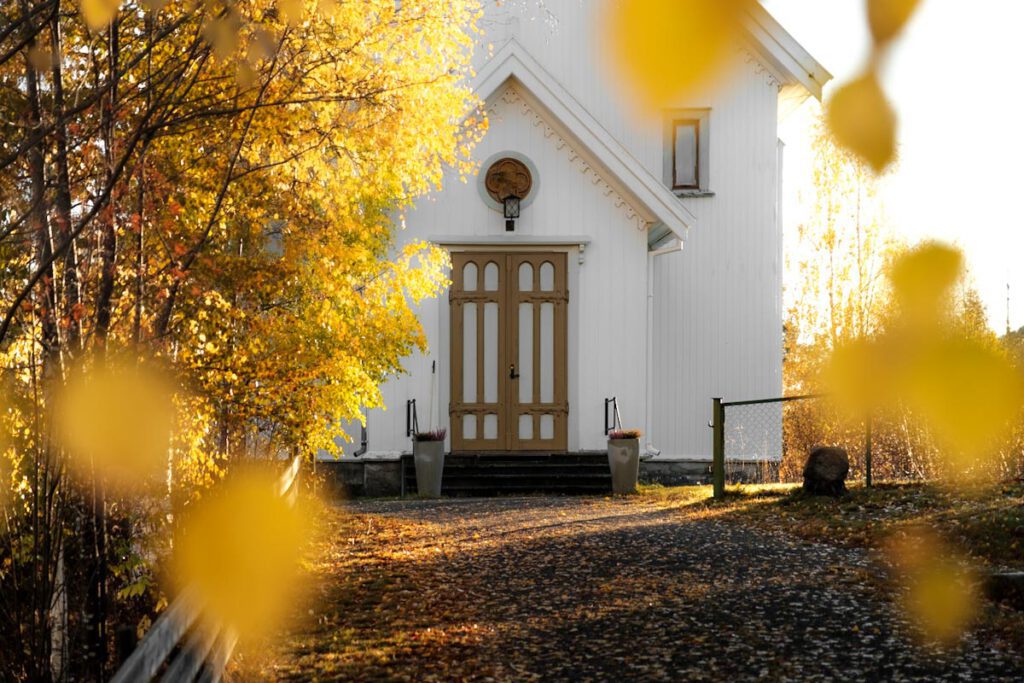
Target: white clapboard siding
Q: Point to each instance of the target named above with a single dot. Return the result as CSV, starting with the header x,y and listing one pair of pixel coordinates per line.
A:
x,y
718,303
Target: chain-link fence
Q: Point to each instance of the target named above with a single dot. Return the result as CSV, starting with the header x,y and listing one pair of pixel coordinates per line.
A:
x,y
767,440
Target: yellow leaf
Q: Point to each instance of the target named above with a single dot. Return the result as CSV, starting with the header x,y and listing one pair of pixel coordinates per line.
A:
x,y
262,45
327,8
940,595
942,602
969,393
856,373
40,58
961,386
888,17
116,422
292,11
6,484
862,121
923,278
222,35
664,48
245,75
99,13
239,551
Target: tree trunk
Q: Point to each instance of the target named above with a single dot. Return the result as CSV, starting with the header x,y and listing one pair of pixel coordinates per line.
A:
x,y
97,603
72,295
46,523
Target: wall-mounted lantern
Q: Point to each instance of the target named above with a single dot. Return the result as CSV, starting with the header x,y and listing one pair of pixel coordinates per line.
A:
x,y
508,182
511,203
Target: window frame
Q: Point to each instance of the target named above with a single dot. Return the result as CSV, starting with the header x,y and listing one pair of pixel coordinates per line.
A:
x,y
676,125
700,119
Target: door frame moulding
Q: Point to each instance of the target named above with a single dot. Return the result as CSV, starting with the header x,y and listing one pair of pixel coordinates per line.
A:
x,y
512,244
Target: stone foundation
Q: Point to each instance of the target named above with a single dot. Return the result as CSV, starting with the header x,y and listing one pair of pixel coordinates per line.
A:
x,y
365,477
381,476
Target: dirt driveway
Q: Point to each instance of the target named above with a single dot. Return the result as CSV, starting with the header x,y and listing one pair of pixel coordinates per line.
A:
x,y
557,588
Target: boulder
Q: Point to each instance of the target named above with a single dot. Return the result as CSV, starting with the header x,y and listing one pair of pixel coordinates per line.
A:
x,y
826,470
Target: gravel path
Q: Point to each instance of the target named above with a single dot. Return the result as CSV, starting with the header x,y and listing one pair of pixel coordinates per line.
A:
x,y
594,589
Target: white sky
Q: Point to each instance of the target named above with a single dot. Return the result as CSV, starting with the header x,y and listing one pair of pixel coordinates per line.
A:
x,y
954,81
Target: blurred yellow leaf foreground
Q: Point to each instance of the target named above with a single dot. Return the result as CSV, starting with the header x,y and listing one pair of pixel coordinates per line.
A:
x,y
239,550
964,388
666,48
116,422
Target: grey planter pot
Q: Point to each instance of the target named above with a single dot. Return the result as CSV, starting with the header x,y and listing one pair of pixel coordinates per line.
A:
x,y
624,461
429,459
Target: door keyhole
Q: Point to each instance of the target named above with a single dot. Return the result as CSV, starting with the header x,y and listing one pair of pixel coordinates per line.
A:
x,y
512,374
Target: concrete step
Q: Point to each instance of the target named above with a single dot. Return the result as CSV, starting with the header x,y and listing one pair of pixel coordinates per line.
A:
x,y
522,466
509,490
499,472
459,459
483,474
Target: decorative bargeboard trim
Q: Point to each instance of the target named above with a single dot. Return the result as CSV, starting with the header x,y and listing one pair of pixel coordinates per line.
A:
x,y
511,97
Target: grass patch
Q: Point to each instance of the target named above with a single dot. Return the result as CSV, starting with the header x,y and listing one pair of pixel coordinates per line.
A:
x,y
987,525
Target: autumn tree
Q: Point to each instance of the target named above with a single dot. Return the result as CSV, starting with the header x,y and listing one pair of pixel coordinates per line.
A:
x,y
844,257
839,258
208,188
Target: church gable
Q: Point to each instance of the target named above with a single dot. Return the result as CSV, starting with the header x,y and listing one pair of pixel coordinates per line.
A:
x,y
513,98
591,146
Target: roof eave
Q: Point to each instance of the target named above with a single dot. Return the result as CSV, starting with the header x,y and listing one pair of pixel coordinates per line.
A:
x,y
794,65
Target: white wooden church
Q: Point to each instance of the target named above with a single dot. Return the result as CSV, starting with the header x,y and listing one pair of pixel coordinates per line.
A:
x,y
642,259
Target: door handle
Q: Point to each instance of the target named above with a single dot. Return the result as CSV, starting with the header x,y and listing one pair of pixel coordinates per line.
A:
x,y
512,374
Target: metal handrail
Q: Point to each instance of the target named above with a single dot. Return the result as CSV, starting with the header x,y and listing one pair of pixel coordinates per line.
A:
x,y
412,422
779,399
616,422
206,652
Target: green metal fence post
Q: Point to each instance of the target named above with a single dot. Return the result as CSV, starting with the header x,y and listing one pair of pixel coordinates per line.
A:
x,y
718,448
867,451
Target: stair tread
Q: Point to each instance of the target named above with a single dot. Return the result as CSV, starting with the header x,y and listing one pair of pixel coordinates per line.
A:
x,y
520,468
468,489
523,475
497,472
509,472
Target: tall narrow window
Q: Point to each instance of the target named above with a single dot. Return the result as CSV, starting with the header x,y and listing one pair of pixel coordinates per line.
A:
x,y
686,154
686,151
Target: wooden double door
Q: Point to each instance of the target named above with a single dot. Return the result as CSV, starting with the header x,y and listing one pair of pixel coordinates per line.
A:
x,y
509,340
